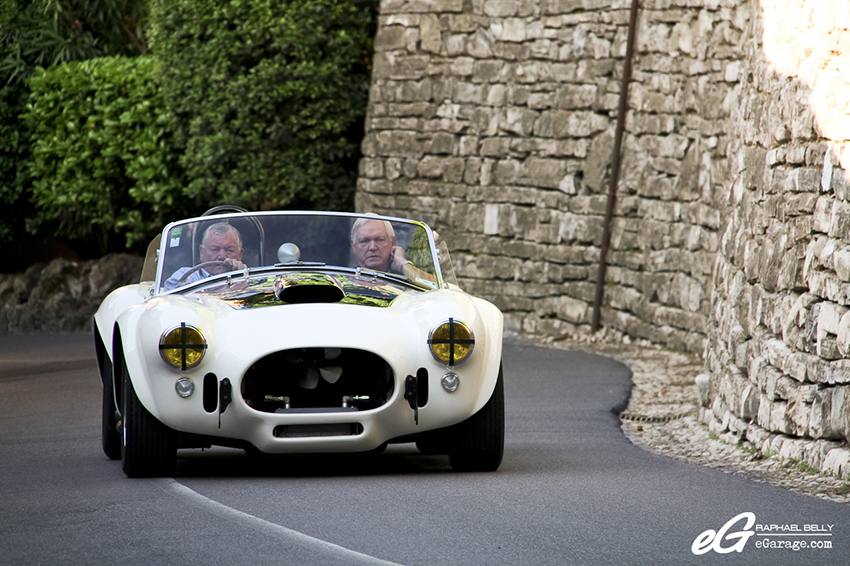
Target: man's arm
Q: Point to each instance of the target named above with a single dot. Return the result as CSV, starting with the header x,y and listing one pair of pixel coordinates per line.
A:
x,y
400,264
171,283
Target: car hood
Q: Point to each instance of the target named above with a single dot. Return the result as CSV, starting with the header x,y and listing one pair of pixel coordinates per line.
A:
x,y
303,287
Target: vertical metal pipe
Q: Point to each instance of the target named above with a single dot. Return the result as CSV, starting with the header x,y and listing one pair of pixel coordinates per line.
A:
x,y
616,157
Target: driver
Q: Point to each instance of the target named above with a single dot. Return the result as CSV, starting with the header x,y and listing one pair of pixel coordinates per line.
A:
x,y
221,242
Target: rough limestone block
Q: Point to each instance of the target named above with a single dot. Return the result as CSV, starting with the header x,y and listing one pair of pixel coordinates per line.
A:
x,y
430,36
509,29
837,462
800,414
793,449
831,373
839,225
843,339
501,8
829,318
841,262
420,6
390,38
827,420
764,410
823,214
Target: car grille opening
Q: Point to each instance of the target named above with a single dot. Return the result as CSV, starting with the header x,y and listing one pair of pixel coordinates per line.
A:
x,y
313,430
318,380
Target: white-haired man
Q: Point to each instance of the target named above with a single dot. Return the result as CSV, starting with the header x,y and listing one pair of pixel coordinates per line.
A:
x,y
374,244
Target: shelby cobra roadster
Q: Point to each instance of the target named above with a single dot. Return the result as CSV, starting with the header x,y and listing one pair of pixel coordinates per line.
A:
x,y
296,333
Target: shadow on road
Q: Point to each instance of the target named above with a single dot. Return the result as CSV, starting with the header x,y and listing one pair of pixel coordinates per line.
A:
x,y
221,462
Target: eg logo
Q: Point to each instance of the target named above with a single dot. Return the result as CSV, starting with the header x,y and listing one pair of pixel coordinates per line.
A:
x,y
713,540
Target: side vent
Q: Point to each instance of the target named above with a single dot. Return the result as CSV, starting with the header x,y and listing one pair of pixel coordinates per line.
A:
x,y
210,393
422,387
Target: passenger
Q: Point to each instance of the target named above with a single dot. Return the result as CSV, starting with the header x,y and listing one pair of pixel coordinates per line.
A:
x,y
374,245
221,242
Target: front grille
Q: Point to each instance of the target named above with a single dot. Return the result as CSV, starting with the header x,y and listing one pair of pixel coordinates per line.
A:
x,y
318,380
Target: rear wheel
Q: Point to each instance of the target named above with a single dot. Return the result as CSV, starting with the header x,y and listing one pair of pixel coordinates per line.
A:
x,y
149,448
478,443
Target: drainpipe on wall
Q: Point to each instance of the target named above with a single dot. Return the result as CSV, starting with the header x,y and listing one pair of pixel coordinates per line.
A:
x,y
616,157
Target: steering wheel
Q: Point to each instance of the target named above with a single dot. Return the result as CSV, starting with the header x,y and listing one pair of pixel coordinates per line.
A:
x,y
200,266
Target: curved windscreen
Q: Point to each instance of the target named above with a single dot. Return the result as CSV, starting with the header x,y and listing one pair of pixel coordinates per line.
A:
x,y
198,249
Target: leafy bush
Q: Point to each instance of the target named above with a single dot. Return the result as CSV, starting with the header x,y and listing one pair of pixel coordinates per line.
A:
x,y
42,33
101,160
265,96
250,102
14,152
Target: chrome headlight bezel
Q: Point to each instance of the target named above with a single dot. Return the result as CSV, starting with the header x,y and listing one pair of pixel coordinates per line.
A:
x,y
437,342
197,346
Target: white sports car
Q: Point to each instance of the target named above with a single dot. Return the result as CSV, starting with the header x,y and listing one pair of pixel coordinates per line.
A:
x,y
298,332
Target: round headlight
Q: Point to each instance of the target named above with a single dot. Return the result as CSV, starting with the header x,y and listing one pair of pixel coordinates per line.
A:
x,y
182,346
451,342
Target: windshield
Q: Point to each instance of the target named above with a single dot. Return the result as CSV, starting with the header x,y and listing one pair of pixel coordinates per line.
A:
x,y
197,249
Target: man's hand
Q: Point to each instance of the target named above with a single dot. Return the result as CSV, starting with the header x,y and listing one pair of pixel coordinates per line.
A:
x,y
397,259
231,265
235,264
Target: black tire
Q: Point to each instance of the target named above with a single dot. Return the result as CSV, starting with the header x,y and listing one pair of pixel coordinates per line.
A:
x,y
478,443
110,433
149,448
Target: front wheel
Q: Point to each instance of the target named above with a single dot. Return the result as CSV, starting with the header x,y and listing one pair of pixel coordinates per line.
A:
x,y
478,443
110,425
149,448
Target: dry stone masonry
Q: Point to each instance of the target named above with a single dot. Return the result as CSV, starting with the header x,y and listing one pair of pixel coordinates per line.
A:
x,y
779,337
62,295
493,120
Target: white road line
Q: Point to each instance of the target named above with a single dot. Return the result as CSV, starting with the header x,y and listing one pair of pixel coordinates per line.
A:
x,y
294,537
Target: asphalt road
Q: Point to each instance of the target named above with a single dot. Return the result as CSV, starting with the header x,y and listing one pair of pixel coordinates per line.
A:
x,y
572,489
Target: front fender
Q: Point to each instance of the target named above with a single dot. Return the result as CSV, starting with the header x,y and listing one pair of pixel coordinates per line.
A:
x,y
493,325
111,308
137,333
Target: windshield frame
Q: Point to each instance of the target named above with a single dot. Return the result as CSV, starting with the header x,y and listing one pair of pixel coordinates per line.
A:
x,y
158,284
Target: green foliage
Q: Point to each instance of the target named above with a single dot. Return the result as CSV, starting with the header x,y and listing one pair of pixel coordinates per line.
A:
x,y
41,33
265,96
14,152
252,102
101,160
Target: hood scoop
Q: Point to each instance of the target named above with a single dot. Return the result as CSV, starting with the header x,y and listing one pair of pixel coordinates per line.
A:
x,y
301,288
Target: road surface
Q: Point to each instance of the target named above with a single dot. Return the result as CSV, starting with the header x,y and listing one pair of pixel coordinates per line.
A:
x,y
572,489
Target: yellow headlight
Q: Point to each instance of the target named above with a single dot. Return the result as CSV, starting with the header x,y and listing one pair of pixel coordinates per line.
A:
x,y
182,346
451,342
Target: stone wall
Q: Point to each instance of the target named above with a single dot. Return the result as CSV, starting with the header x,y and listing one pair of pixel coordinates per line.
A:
x,y
494,121
62,295
780,332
